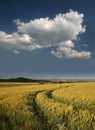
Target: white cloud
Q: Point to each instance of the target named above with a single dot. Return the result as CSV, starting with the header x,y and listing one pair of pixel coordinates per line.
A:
x,y
16,52
65,50
45,32
48,32
17,41
56,54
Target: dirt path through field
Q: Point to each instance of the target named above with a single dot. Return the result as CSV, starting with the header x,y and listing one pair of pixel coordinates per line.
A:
x,y
39,116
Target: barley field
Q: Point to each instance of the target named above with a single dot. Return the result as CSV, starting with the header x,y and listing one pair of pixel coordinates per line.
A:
x,y
48,106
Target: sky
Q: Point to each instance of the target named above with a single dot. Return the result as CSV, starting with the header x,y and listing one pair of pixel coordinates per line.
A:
x,y
52,39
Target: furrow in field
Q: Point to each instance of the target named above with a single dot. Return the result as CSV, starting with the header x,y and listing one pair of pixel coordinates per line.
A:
x,y
38,115
55,112
21,112
63,116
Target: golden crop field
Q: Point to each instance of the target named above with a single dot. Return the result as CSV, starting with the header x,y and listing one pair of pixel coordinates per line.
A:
x,y
48,106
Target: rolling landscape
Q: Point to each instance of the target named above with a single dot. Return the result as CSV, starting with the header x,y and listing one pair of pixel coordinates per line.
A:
x,y
47,65
47,106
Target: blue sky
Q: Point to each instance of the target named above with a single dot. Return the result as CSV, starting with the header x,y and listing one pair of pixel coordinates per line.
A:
x,y
47,39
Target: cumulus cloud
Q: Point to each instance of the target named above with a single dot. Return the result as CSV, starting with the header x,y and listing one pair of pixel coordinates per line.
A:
x,y
17,41
45,32
66,50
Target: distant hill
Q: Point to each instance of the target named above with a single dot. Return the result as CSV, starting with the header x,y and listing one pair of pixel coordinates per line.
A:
x,y
20,79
